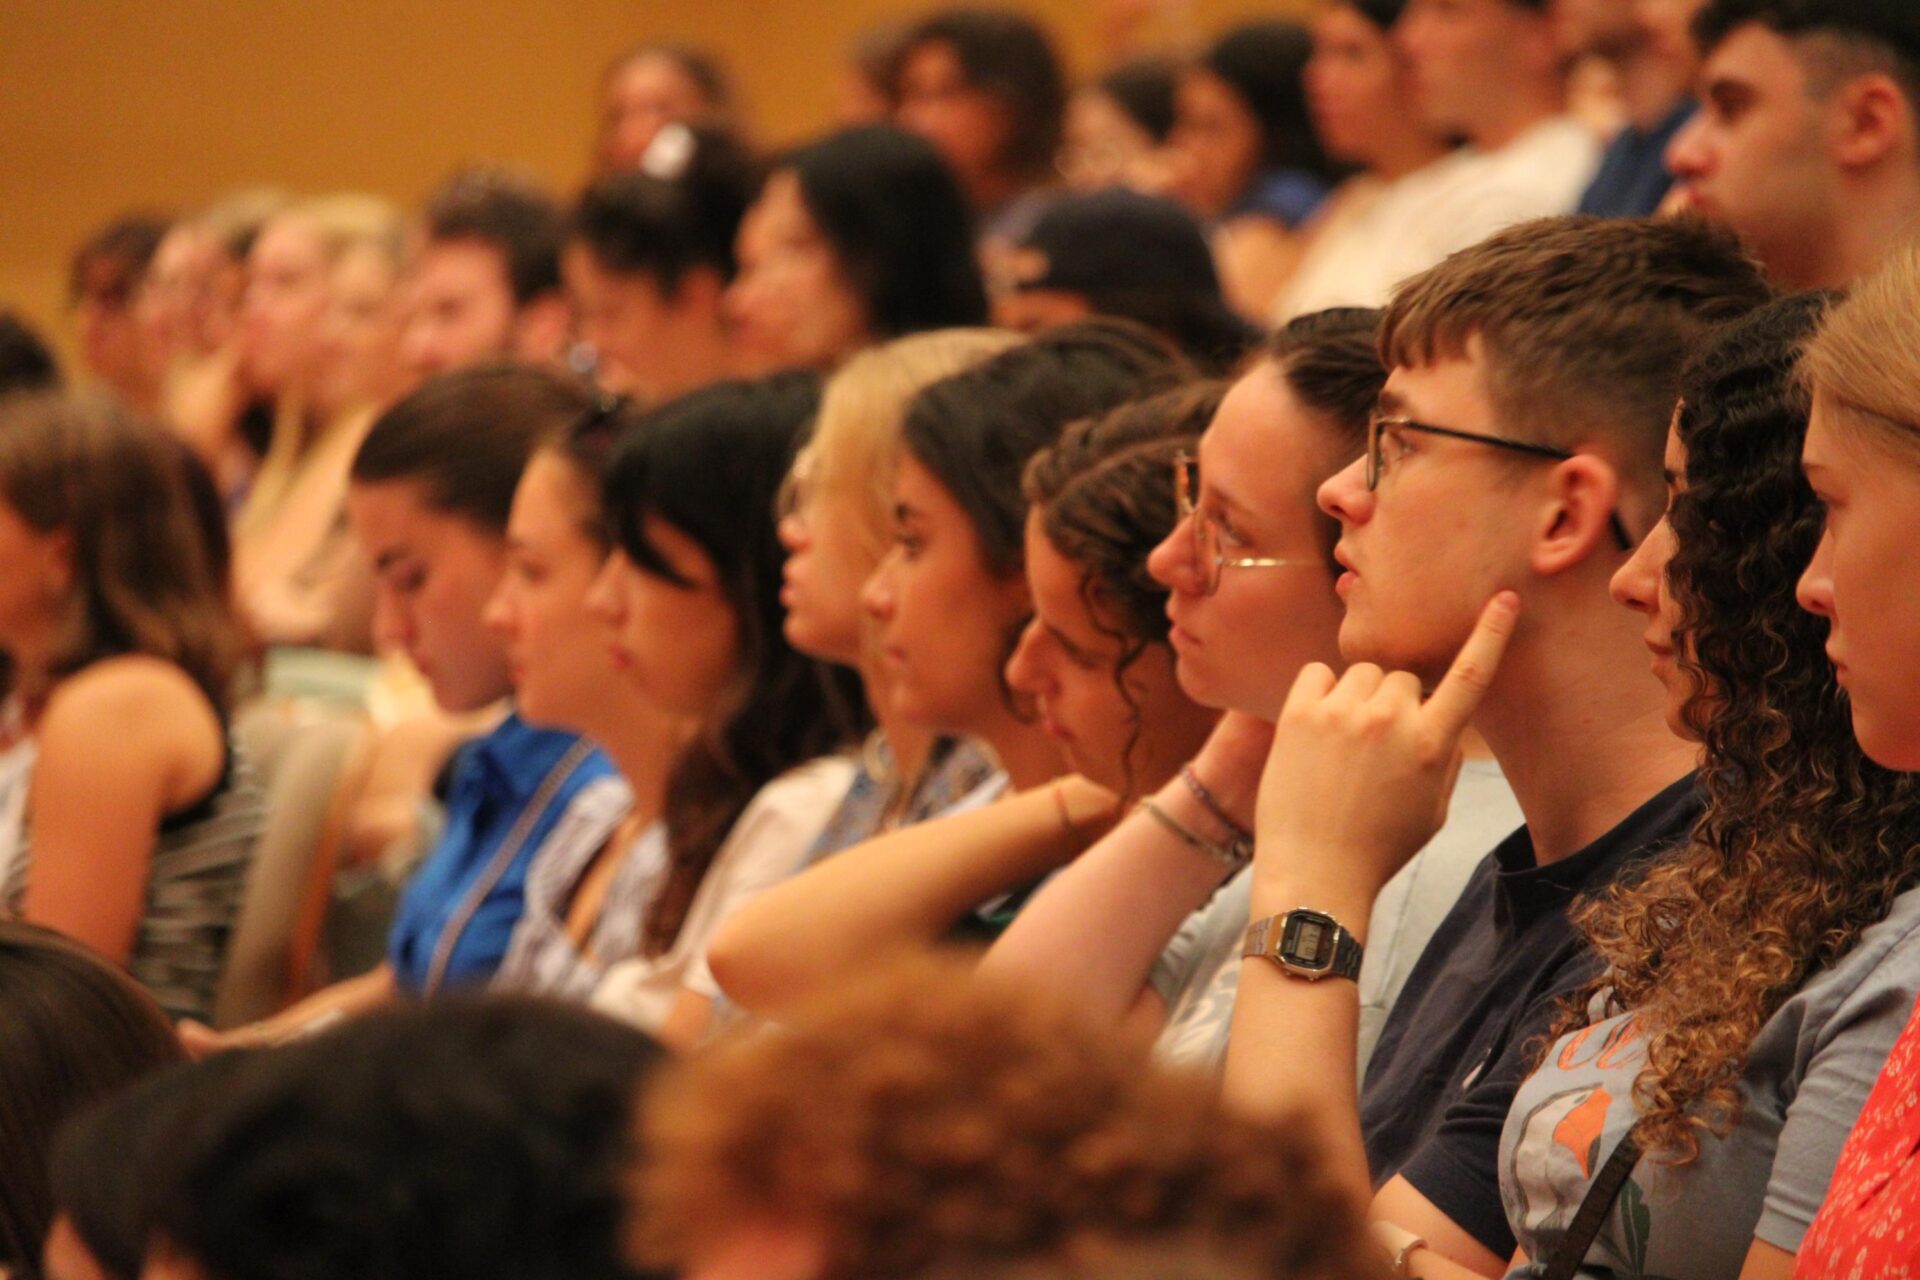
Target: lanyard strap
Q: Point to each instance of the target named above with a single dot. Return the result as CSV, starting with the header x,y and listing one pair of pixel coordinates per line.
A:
x,y
1585,1226
496,867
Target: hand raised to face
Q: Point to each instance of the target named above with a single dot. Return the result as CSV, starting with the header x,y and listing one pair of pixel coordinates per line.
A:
x,y
1362,767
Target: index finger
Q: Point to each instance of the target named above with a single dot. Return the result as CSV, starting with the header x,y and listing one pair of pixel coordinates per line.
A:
x,y
1459,692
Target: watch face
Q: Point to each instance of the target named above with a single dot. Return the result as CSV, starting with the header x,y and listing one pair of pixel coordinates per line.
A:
x,y
1308,940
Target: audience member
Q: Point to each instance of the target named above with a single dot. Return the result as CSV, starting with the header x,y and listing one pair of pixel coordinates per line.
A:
x,y
1116,128
836,528
25,362
322,340
1092,666
592,881
103,285
692,592
136,827
1516,443
1807,142
1294,417
1121,253
1375,226
106,1166
985,87
857,238
1785,921
647,257
476,1139
650,87
1243,155
72,1029
1654,75
1489,72
431,490
1859,462
485,278
920,1121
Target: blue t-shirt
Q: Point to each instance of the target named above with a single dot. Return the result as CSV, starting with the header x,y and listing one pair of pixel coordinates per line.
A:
x,y
1632,179
495,778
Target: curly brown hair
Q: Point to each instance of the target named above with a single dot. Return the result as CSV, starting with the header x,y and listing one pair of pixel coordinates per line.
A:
x,y
1104,492
1804,841
923,1119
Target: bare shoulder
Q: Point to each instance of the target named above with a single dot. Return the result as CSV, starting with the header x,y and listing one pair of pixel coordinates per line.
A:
x,y
134,701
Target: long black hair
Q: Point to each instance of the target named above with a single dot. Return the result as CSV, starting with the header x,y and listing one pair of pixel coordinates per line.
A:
x,y
899,225
711,464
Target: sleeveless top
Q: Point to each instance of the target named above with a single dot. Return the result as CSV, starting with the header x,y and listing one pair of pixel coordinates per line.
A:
x,y
196,881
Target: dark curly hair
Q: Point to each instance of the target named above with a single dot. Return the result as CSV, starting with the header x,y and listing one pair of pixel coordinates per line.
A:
x,y
1104,492
1804,841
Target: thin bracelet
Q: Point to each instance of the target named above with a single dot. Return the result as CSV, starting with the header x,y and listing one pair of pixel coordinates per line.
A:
x,y
1211,803
1227,855
1060,804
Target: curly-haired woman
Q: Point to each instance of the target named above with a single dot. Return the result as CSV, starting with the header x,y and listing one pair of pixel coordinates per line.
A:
x,y
1755,981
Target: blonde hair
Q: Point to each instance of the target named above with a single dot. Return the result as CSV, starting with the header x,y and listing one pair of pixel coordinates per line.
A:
x,y
856,438
1863,366
342,222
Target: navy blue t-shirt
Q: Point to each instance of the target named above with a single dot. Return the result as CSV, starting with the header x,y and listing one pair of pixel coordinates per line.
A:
x,y
1632,179
1478,1007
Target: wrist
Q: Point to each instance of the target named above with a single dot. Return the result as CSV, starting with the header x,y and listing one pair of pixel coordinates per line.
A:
x,y
1233,793
1350,904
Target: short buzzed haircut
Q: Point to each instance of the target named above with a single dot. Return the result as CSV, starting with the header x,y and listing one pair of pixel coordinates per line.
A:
x,y
1583,323
1859,36
507,213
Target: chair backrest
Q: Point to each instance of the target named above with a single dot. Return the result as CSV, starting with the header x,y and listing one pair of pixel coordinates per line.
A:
x,y
300,750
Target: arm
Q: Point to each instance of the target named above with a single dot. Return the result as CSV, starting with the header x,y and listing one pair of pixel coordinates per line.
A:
x,y
344,999
905,888
121,744
1095,930
1356,783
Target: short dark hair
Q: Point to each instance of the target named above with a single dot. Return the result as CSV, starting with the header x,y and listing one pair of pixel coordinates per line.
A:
x,y
975,430
108,1158
1878,35
465,437
1264,63
26,363
1584,321
1330,361
72,1029
1009,56
128,242
1143,87
711,464
509,214
899,225
663,224
465,1138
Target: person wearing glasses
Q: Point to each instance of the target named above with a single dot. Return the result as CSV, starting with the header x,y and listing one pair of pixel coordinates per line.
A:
x,y
1139,928
1517,445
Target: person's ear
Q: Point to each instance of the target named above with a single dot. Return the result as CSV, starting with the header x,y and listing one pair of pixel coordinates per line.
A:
x,y
1578,518
541,328
1870,118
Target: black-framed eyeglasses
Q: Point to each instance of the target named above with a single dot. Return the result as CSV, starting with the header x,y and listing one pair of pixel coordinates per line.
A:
x,y
1378,426
1206,532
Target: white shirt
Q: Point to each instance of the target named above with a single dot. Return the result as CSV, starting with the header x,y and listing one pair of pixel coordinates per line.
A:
x,y
767,843
1449,205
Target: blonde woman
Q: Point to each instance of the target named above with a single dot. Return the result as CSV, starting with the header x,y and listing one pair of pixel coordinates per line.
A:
x,y
321,338
837,526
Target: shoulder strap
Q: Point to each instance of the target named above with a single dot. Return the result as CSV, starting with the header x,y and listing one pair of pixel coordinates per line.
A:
x,y
1593,1210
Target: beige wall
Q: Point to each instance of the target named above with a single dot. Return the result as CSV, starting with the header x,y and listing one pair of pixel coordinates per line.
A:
x,y
112,104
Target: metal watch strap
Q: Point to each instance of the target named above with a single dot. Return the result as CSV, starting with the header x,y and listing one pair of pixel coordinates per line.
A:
x,y
1263,939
